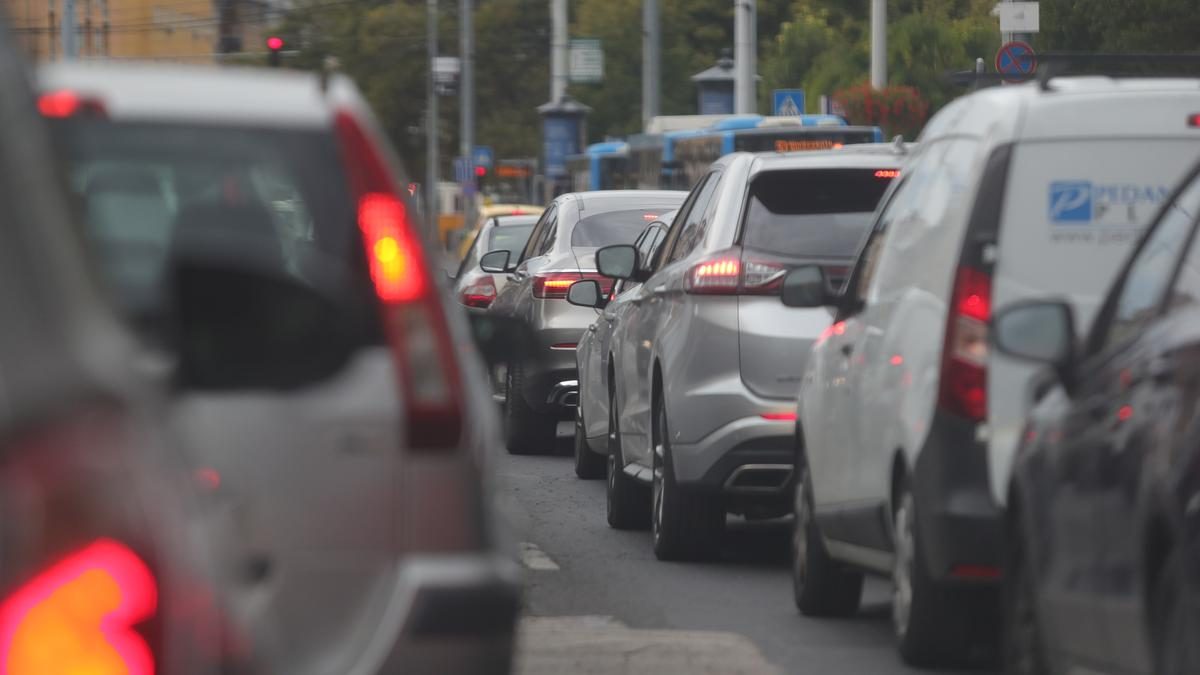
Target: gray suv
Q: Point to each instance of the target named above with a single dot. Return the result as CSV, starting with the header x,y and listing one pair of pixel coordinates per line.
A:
x,y
705,363
543,388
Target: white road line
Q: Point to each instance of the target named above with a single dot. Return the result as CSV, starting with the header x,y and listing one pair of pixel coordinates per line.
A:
x,y
536,559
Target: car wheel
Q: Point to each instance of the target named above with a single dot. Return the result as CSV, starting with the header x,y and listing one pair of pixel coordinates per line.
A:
x,y
526,432
627,500
1175,620
1023,647
820,585
588,465
686,525
929,620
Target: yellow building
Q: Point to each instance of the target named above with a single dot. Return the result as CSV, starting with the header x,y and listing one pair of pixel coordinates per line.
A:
x,y
172,30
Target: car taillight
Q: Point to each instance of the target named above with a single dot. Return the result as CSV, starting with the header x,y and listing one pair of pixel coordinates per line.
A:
x,y
964,356
80,615
554,285
413,316
732,272
481,292
66,103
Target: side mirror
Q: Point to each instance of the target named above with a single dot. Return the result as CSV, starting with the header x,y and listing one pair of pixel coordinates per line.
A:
x,y
586,293
806,286
501,339
495,262
619,261
1038,331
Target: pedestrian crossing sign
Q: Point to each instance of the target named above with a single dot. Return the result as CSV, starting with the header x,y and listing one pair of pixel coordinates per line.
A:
x,y
789,102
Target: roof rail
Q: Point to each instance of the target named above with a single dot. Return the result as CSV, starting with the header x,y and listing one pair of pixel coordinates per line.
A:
x,y
1053,64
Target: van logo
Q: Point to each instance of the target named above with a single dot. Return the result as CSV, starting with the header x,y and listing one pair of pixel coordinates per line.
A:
x,y
1071,201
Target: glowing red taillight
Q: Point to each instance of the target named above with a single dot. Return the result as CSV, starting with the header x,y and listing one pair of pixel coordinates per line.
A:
x,y
479,293
965,351
779,416
554,285
78,616
66,103
412,313
731,272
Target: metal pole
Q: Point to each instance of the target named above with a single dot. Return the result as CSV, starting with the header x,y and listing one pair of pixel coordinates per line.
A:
x,y
467,131
70,48
651,61
558,50
745,55
878,44
432,161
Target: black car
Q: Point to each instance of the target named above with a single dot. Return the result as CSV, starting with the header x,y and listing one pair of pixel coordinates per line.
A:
x,y
1103,567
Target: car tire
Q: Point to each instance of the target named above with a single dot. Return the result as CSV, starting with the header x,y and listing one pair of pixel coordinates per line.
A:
x,y
588,465
526,431
821,586
627,500
1175,618
685,525
1023,644
929,620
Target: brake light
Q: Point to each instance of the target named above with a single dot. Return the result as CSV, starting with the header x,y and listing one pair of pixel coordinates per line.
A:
x,y
965,351
554,285
66,103
779,417
887,173
412,314
480,293
78,616
732,272
1194,120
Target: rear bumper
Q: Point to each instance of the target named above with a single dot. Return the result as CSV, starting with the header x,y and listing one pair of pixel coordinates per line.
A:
x,y
749,457
551,375
959,523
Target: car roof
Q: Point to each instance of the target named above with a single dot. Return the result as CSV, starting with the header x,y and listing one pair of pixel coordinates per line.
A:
x,y
865,156
1069,107
608,199
508,209
172,92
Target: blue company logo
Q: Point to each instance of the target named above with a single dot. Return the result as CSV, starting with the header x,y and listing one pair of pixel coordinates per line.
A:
x,y
1071,201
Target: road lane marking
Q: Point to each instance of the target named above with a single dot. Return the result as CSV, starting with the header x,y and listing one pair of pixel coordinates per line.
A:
x,y
536,559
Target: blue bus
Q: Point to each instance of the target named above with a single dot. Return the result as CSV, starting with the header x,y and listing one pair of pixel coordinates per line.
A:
x,y
602,166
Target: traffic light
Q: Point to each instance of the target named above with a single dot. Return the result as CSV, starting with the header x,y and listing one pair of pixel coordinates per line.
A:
x,y
275,45
481,176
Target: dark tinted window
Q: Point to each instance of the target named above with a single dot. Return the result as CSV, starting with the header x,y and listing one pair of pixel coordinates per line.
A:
x,y
150,191
614,227
812,212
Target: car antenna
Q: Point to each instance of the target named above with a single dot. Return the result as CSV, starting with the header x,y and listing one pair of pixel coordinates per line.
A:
x,y
898,146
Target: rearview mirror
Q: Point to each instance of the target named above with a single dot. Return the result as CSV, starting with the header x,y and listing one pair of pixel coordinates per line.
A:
x,y
618,261
495,262
806,286
501,339
1038,331
586,293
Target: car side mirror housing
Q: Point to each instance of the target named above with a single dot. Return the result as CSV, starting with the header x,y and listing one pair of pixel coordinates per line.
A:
x,y
619,261
495,262
806,286
586,293
1040,331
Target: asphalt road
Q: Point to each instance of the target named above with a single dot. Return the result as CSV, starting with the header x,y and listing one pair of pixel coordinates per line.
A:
x,y
582,576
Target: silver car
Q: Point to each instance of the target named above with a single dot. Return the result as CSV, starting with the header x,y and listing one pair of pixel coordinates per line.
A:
x,y
591,357
705,363
319,387
474,288
543,388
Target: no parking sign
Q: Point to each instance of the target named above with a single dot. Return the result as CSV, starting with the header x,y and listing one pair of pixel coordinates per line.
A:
x,y
1016,61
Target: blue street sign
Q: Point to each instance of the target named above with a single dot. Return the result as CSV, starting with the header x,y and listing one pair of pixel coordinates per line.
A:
x,y
1016,61
789,102
460,170
482,156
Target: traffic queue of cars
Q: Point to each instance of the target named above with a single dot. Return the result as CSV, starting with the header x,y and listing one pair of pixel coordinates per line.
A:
x,y
910,349
241,433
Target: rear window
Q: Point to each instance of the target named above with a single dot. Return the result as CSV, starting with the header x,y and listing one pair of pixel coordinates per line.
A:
x,y
509,237
614,227
143,186
813,212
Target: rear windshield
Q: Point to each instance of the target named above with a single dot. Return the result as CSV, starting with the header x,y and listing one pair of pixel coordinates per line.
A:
x,y
142,186
813,212
614,227
509,237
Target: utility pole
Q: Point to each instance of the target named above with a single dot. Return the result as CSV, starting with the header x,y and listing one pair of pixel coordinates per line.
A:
x,y
745,47
467,131
70,48
558,50
431,122
878,44
651,61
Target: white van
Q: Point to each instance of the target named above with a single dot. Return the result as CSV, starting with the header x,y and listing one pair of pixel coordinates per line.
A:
x,y
1013,192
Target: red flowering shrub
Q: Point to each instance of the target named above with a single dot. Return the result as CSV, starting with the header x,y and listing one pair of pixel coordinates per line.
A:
x,y
898,110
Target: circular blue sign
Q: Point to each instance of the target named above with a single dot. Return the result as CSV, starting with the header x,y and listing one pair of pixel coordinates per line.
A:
x,y
1016,61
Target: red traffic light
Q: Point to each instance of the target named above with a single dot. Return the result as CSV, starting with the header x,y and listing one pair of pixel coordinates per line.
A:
x,y
274,43
481,171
